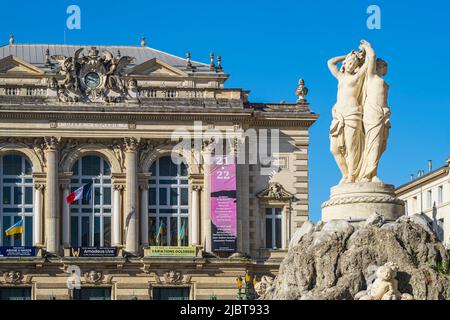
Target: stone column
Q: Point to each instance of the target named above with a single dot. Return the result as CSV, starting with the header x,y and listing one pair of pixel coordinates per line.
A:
x,y
116,241
243,208
144,214
284,230
65,216
131,187
207,200
38,188
51,195
195,215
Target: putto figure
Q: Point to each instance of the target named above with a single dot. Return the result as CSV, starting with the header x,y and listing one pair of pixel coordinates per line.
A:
x,y
360,125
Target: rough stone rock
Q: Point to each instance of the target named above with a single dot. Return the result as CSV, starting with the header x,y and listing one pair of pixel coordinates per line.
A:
x,y
306,228
338,260
375,219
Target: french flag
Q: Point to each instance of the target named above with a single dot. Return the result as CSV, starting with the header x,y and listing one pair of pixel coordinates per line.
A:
x,y
84,192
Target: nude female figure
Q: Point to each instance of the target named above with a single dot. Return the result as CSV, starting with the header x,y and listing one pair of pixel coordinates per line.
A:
x,y
375,116
346,131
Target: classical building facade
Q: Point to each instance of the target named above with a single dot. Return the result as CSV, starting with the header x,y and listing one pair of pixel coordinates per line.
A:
x,y
429,194
73,115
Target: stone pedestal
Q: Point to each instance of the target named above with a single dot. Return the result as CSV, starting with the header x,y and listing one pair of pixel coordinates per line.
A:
x,y
356,201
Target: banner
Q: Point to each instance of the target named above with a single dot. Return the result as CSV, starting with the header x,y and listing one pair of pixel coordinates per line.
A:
x,y
223,204
17,251
160,251
93,252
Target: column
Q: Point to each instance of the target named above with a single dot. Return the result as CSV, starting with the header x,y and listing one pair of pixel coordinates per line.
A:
x,y
243,208
38,188
144,214
51,196
66,216
131,187
284,217
116,215
207,200
195,215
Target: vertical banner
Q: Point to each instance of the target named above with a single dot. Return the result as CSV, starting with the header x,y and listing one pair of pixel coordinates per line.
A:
x,y
223,204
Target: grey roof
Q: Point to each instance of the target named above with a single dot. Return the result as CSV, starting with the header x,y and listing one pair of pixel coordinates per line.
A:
x,y
35,54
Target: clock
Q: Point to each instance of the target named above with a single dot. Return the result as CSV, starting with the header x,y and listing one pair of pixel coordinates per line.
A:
x,y
92,80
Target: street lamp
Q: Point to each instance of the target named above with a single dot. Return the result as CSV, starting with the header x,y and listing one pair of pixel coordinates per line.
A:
x,y
239,285
249,286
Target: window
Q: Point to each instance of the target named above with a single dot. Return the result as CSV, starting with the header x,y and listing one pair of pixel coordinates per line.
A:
x,y
414,205
440,194
16,202
92,294
181,293
168,203
15,293
273,228
85,170
429,198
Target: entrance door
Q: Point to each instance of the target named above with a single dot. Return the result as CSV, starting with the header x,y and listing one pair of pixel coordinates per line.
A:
x,y
15,293
171,293
92,294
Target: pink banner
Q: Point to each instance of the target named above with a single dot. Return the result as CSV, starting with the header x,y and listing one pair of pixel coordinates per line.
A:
x,y
223,204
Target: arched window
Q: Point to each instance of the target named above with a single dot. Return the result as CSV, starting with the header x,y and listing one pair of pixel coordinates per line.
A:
x,y
91,169
168,205
16,201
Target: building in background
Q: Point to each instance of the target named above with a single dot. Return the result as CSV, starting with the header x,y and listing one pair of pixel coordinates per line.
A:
x,y
429,194
73,115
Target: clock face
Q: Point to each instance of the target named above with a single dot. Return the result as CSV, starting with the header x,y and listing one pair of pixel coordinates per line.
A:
x,y
92,80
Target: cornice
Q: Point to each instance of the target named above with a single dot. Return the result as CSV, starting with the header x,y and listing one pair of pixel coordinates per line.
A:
x,y
436,174
137,114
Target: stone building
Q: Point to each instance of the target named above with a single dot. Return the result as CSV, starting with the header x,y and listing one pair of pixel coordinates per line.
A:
x,y
71,115
429,194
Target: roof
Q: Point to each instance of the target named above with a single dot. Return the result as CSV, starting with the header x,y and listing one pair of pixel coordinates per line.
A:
x,y
442,171
35,54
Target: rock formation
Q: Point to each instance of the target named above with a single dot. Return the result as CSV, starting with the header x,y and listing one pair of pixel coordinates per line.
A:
x,y
338,260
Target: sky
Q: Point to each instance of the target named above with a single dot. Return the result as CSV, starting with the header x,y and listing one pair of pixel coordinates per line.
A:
x,y
267,46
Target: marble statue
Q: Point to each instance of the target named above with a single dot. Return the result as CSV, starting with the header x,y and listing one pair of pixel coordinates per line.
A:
x,y
360,125
375,116
385,286
346,131
358,137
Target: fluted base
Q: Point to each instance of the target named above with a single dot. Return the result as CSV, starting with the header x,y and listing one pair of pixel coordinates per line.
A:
x,y
357,201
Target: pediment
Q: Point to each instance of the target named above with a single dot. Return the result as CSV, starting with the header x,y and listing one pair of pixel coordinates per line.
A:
x,y
155,67
14,65
275,191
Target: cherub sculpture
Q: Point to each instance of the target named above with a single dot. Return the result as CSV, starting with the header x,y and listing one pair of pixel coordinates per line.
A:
x,y
385,286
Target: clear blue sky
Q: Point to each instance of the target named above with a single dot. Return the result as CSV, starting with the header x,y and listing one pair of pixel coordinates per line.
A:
x,y
267,45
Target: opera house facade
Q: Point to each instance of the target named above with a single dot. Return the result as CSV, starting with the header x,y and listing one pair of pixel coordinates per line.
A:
x,y
134,134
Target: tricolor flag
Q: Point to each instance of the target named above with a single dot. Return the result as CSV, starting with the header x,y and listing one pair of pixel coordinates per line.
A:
x,y
84,192
15,229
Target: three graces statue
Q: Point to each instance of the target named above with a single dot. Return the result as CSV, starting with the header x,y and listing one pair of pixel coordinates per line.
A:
x,y
360,125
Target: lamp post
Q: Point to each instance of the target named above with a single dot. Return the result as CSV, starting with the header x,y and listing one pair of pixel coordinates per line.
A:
x,y
249,287
239,285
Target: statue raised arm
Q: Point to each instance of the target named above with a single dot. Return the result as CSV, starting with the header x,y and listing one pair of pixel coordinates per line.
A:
x,y
346,131
376,115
